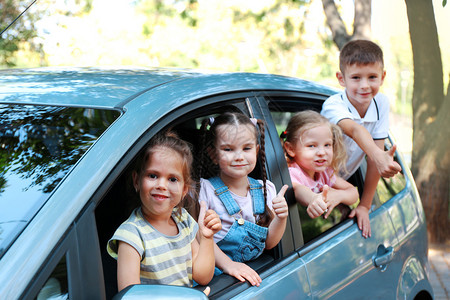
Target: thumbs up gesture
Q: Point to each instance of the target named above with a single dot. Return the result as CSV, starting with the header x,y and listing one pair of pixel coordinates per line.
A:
x,y
279,204
385,163
318,206
208,221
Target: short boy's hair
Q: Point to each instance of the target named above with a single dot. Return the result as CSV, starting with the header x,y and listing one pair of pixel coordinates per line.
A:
x,y
360,52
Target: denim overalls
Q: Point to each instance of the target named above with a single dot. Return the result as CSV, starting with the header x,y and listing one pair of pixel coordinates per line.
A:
x,y
245,240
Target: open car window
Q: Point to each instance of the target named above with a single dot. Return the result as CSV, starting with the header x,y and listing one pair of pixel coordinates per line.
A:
x,y
282,108
117,204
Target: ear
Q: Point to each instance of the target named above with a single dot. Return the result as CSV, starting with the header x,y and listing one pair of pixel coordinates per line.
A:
x,y
257,149
383,75
290,149
340,78
135,176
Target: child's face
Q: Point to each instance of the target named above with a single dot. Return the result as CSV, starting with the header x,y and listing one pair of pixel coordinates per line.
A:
x,y
313,152
362,83
236,150
161,184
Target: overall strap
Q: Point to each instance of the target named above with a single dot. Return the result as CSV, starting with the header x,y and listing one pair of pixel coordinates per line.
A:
x,y
224,195
256,191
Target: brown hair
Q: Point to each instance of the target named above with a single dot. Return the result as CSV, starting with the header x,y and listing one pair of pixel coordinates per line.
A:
x,y
307,119
360,52
210,136
169,140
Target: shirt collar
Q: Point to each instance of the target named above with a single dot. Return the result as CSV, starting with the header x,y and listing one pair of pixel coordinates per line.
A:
x,y
371,113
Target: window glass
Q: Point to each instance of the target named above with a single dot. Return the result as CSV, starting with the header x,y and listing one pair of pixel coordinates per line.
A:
x,y
39,145
389,187
56,286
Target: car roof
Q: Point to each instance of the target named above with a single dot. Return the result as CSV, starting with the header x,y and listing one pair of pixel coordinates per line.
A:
x,y
110,88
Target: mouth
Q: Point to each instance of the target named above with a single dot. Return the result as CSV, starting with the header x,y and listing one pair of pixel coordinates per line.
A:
x,y
159,197
368,94
321,162
238,166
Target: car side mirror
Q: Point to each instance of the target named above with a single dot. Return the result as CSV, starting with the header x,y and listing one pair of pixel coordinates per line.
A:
x,y
149,291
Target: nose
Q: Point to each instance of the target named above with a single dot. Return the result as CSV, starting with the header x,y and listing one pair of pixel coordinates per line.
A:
x,y
320,150
364,83
238,155
161,183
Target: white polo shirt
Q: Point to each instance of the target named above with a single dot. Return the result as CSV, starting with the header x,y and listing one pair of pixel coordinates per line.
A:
x,y
376,121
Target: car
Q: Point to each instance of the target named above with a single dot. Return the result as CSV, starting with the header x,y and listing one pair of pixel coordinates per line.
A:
x,y
69,135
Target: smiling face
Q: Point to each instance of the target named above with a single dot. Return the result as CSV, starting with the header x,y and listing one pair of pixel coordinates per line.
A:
x,y
236,151
160,184
313,151
362,83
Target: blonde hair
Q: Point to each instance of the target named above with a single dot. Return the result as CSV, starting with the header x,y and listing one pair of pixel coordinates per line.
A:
x,y
308,119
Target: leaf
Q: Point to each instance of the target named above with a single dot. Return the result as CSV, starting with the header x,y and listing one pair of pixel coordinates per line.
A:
x,y
444,3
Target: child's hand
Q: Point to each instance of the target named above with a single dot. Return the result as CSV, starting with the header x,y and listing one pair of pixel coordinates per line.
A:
x,y
362,217
208,221
242,272
319,204
207,290
386,165
279,204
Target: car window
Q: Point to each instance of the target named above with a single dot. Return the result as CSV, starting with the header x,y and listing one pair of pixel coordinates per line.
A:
x,y
56,286
39,146
389,187
117,204
281,110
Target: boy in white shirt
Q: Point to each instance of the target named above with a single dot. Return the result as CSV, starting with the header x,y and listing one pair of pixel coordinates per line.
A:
x,y
363,115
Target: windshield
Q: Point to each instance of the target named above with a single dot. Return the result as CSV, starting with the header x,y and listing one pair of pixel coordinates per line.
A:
x,y
39,146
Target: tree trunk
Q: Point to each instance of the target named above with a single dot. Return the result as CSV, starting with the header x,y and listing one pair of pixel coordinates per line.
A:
x,y
431,124
361,24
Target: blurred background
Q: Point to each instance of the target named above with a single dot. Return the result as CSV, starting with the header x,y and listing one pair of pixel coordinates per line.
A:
x,y
299,38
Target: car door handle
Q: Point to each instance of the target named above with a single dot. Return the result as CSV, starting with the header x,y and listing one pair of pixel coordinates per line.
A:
x,y
383,257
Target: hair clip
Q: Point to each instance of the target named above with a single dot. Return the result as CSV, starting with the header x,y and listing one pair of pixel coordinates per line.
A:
x,y
211,120
254,121
283,134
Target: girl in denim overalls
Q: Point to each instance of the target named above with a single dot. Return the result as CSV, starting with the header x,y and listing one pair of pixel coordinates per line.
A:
x,y
253,216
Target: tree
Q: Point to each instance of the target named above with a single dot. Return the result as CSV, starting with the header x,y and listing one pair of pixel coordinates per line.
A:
x,y
22,30
361,21
431,124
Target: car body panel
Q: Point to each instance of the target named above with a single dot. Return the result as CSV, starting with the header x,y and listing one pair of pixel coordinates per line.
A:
x,y
280,284
338,268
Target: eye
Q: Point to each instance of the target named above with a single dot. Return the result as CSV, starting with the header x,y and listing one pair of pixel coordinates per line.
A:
x,y
152,176
247,148
355,77
173,179
328,145
226,149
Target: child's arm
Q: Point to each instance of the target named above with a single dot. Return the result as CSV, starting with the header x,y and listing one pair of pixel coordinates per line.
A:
x,y
236,269
370,185
203,247
383,160
315,203
278,224
128,266
341,192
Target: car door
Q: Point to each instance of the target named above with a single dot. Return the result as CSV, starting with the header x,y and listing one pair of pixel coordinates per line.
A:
x,y
339,261
282,271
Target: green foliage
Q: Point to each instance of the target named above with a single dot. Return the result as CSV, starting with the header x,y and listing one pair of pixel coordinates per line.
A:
x,y
22,30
